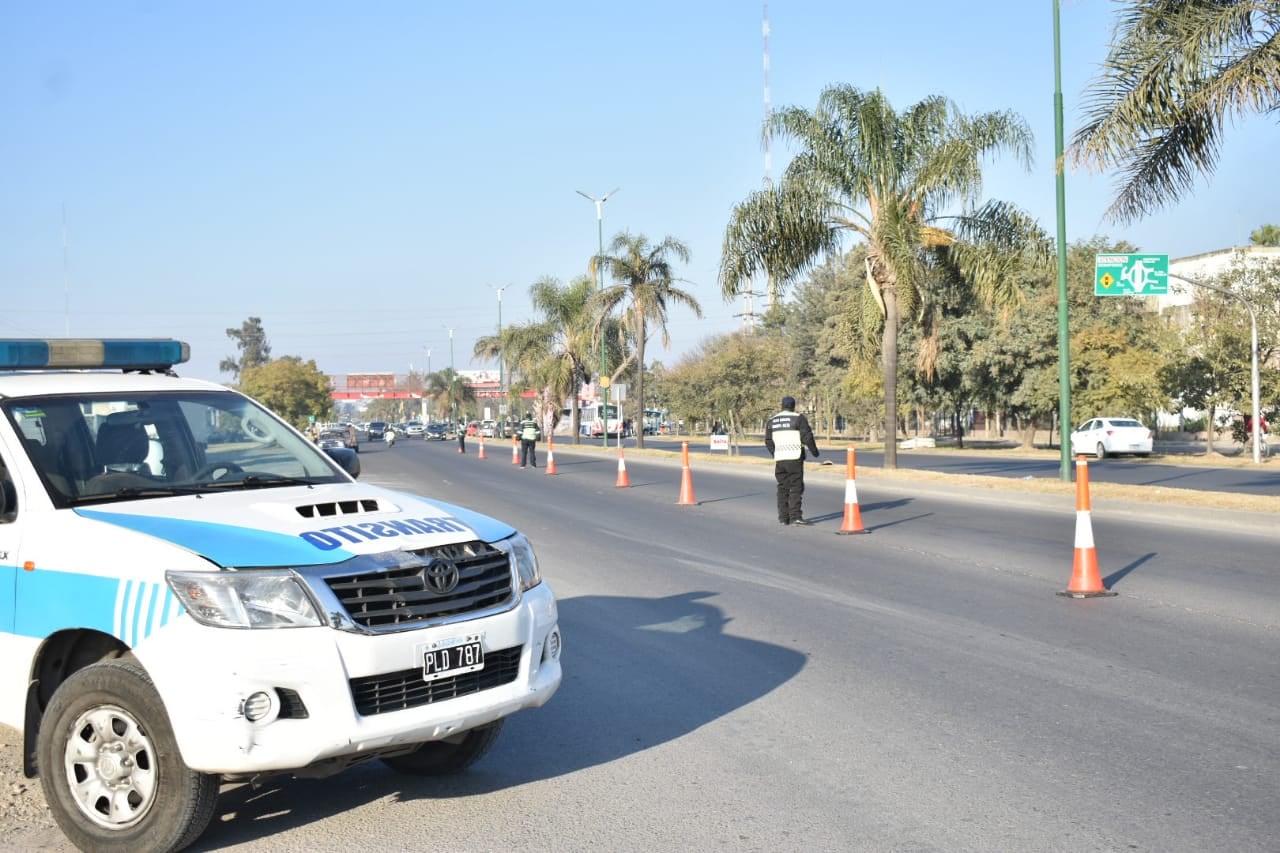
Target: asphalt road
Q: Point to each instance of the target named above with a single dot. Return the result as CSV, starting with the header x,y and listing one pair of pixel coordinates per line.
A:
x,y
736,685
1158,470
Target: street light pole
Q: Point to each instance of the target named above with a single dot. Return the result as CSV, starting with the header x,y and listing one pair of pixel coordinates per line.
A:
x,y
604,379
453,378
425,380
1253,359
502,383
1064,333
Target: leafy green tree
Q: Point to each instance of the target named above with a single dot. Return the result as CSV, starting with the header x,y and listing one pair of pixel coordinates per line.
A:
x,y
1213,369
953,384
816,327
737,378
293,388
889,178
1266,235
1018,363
251,340
1177,73
644,287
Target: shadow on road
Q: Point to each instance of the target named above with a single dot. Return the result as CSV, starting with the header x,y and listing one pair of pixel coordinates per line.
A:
x,y
639,672
1115,577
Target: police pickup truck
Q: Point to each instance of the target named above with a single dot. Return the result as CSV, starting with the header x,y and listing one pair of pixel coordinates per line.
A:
x,y
191,591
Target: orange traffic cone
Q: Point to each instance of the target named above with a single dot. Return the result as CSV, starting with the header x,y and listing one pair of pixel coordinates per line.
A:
x,y
481,455
686,478
852,514
515,450
551,455
1086,582
624,481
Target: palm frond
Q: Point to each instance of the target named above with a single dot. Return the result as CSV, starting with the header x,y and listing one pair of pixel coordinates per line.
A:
x,y
1176,71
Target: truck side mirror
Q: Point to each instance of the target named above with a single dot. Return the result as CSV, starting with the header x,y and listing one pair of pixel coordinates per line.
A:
x,y
347,458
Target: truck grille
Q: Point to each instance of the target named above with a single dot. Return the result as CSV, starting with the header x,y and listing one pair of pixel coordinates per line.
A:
x,y
397,691
404,595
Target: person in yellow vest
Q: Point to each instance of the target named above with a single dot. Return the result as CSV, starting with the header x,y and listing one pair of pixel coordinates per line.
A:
x,y
788,435
528,441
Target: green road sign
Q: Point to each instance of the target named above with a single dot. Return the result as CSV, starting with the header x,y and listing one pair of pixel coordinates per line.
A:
x,y
1131,275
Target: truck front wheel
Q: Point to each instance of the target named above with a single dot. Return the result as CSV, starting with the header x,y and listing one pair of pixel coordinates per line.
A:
x,y
110,766
444,757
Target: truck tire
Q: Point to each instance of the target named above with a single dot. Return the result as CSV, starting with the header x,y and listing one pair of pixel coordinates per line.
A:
x,y
445,757
110,766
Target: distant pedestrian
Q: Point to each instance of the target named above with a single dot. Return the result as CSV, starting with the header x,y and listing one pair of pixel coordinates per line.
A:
x,y
462,440
787,435
528,441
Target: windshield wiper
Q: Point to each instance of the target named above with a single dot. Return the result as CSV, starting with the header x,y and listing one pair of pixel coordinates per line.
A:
x,y
258,481
139,492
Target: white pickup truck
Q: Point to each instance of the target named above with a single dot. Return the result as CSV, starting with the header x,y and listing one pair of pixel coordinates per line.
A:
x,y
191,591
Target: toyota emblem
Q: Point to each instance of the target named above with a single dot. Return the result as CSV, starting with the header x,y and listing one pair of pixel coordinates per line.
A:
x,y
441,576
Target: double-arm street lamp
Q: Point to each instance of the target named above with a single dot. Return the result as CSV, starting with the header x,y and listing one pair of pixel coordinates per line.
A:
x,y
604,378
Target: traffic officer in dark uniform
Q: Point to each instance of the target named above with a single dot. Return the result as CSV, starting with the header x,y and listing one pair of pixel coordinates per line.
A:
x,y
528,441
787,435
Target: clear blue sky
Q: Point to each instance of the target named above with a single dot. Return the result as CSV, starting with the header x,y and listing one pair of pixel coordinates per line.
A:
x,y
363,175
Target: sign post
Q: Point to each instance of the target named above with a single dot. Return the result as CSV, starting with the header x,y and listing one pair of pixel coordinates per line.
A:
x,y
1131,275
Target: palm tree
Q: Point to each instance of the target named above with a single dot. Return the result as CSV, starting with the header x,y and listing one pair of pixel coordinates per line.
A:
x,y
1176,74
1266,235
886,177
644,284
448,389
551,353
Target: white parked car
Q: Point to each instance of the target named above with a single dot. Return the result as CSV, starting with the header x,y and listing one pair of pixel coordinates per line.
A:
x,y
1109,436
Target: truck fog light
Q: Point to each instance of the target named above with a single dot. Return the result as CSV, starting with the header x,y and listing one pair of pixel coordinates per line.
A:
x,y
257,706
553,645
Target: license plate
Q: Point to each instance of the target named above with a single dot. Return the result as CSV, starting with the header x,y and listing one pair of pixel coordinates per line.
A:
x,y
451,657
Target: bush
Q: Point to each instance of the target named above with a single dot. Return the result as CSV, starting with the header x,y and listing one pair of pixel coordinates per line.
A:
x,y
1195,424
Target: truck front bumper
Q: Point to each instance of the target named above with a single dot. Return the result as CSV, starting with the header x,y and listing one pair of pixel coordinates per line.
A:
x,y
258,701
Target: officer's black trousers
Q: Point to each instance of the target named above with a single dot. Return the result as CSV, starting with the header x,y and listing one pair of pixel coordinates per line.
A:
x,y
528,452
790,477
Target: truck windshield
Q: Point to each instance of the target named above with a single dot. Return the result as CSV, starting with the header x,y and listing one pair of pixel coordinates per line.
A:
x,y
93,448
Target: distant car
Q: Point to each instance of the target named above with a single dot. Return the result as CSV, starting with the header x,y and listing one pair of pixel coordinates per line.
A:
x,y
331,438
436,432
473,428
377,430
414,428
1111,436
489,429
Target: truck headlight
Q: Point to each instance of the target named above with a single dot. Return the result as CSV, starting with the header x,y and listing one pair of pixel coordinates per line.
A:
x,y
266,598
526,561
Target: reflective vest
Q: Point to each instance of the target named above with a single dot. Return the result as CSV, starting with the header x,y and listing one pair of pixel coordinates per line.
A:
x,y
529,429
784,432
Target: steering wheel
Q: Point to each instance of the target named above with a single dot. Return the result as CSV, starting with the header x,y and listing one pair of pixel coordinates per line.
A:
x,y
212,469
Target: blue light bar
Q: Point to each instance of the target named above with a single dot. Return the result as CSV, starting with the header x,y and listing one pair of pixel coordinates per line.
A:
x,y
91,353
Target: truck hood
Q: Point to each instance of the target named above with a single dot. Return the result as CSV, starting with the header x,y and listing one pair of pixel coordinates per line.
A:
x,y
298,526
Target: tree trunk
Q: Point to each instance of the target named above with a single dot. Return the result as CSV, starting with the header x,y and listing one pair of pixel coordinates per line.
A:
x,y
575,415
1209,430
889,350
